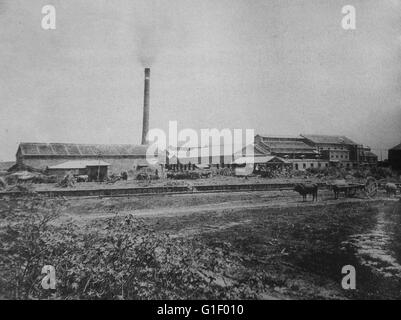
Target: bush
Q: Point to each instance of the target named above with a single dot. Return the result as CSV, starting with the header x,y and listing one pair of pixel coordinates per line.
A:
x,y
146,176
120,258
380,173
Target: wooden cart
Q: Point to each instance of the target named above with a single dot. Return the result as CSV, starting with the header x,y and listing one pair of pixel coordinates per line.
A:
x,y
351,189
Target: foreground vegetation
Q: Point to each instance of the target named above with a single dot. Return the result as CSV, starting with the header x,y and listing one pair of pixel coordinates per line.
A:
x,y
117,258
274,253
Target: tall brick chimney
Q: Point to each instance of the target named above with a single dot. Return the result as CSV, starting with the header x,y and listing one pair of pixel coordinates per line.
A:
x,y
146,99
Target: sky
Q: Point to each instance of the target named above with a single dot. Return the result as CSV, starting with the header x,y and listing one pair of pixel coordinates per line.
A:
x,y
278,67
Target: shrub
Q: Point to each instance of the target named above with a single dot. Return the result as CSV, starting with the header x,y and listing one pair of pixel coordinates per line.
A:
x,y
117,258
380,173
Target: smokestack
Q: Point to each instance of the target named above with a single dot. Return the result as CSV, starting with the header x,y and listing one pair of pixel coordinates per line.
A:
x,y
145,123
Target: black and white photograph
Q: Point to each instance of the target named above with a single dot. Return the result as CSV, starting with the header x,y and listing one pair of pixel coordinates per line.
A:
x,y
200,150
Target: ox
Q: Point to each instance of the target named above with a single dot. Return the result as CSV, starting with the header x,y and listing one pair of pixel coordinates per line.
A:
x,y
391,188
305,189
338,188
124,175
82,178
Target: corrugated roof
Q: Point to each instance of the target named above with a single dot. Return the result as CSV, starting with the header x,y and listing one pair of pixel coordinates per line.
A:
x,y
79,164
265,159
397,147
261,149
203,151
370,154
254,149
278,136
73,149
325,139
290,146
147,162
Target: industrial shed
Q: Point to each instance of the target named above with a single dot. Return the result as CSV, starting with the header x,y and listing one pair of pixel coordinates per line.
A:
x,y
336,149
394,157
96,170
121,157
286,147
217,156
248,164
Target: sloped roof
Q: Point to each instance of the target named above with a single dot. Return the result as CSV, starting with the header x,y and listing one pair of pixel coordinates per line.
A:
x,y
260,148
73,149
23,167
290,146
253,149
151,162
265,159
397,147
201,151
275,136
79,164
325,139
370,154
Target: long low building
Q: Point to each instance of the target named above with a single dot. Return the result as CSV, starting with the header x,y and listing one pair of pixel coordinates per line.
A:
x,y
288,147
96,170
121,157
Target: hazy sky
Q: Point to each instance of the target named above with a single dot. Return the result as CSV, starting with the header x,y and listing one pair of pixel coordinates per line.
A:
x,y
278,66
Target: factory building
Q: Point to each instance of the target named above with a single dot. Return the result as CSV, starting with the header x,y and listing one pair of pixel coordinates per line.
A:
x,y
190,157
287,147
340,150
366,156
300,152
95,170
294,149
394,157
116,158
336,149
119,157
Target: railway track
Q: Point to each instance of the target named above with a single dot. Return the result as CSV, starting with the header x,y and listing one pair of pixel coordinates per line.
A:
x,y
165,190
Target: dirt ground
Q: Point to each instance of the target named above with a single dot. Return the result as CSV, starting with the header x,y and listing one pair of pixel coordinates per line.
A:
x,y
298,247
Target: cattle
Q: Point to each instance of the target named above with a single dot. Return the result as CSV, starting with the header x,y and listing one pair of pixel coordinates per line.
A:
x,y
124,175
305,189
82,178
206,174
44,179
391,188
338,188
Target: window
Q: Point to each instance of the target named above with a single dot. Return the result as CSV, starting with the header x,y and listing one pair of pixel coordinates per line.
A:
x,y
327,165
304,165
319,165
296,166
311,165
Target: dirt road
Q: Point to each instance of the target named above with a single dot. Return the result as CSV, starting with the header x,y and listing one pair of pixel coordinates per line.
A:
x,y
176,205
298,248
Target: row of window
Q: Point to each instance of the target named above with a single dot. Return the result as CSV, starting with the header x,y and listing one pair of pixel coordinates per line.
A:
x,y
312,165
332,156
